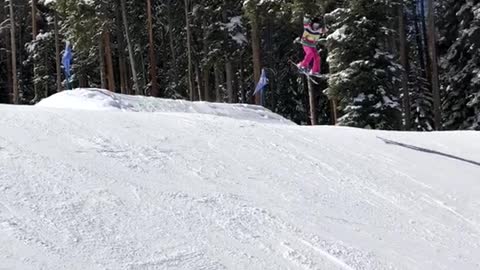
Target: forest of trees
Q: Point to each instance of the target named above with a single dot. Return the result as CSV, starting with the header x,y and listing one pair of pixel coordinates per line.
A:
x,y
392,64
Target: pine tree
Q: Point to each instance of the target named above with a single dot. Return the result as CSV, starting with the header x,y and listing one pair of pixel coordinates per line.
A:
x,y
421,108
42,56
219,53
363,72
460,44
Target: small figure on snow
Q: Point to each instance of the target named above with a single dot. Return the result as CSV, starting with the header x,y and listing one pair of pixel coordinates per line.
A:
x,y
314,30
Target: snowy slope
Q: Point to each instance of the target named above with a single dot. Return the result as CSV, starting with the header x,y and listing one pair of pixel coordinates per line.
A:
x,y
99,99
112,189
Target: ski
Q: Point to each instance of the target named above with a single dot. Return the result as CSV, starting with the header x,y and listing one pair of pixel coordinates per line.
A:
x,y
309,77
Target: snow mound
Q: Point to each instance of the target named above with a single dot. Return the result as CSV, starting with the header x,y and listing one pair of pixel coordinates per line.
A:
x,y
83,189
104,100
86,99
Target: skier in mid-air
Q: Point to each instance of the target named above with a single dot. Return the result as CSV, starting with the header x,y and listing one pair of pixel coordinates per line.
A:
x,y
313,31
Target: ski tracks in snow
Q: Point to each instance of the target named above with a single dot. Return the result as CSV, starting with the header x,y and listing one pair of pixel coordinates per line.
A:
x,y
115,194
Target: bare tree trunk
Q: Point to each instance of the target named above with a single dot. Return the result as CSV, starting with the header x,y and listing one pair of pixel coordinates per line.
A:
x,y
418,38
404,62
109,61
128,82
242,76
229,73
20,39
172,46
313,103
425,38
57,54
189,53
16,95
34,19
153,60
236,85
257,64
34,36
82,81
101,56
144,76
199,84
121,56
218,83
4,92
45,82
433,59
9,71
123,74
6,39
131,54
206,84
334,111
228,61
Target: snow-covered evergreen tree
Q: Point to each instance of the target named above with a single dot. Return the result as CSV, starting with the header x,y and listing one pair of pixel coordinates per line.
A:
x,y
363,71
422,118
421,104
41,54
232,40
460,62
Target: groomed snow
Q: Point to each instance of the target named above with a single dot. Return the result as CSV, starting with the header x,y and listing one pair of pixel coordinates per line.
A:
x,y
113,189
99,99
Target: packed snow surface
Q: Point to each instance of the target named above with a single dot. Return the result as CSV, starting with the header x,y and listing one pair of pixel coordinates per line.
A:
x,y
98,99
167,188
